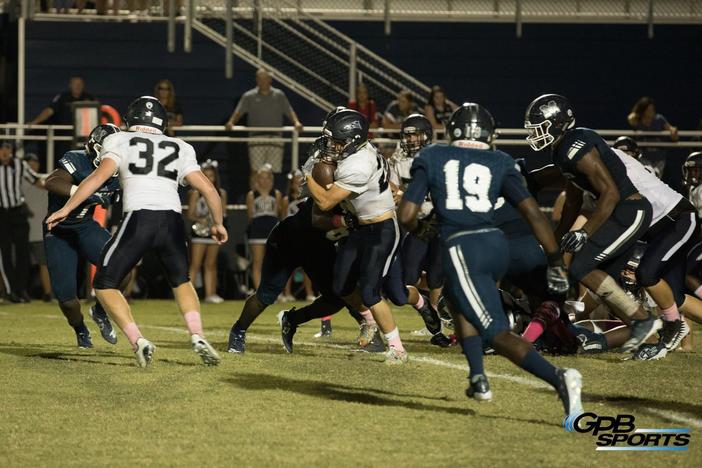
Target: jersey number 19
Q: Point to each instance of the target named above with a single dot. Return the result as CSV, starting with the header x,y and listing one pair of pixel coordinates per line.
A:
x,y
476,182
148,156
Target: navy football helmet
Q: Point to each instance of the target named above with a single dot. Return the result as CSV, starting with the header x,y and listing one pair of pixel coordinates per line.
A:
x,y
547,118
692,169
344,131
94,144
415,124
628,145
148,112
471,121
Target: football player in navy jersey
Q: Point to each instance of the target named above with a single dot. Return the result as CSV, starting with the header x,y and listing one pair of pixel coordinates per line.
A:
x,y
621,216
78,236
465,181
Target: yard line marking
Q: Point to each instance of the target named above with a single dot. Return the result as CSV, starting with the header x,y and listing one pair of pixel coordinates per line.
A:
x,y
673,416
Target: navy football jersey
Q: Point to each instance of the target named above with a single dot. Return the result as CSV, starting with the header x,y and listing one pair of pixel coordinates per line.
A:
x,y
465,184
79,165
509,220
576,143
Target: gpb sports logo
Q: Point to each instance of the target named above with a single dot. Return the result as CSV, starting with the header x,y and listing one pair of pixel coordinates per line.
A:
x,y
620,433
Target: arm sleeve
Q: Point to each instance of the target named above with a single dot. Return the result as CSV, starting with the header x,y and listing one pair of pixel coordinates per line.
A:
x,y
28,173
419,186
514,187
575,147
188,164
243,106
66,164
354,176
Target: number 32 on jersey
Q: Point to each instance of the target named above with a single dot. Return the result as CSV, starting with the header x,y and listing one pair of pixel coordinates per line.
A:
x,y
476,182
146,153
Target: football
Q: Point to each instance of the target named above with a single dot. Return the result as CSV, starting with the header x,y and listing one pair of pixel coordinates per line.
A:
x,y
323,174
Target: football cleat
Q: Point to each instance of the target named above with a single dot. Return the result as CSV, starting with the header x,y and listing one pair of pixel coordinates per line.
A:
x,y
83,337
430,317
672,333
395,357
144,352
479,388
376,345
287,330
203,349
591,342
237,342
366,333
103,322
214,299
325,330
650,352
569,390
441,340
641,330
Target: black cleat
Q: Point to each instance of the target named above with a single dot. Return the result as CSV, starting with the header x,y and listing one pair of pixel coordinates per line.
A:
x,y
650,352
441,340
83,337
430,317
287,330
325,331
375,345
103,322
672,333
479,388
641,330
591,342
237,341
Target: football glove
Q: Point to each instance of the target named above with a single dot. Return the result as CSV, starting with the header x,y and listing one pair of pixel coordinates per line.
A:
x,y
573,241
557,279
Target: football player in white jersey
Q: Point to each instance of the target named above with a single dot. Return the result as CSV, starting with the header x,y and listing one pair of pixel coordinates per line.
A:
x,y
361,187
150,165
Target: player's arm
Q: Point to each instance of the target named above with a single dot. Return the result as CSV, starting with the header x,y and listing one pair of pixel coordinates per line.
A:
x,y
601,180
59,182
202,184
86,188
192,201
323,198
571,209
540,226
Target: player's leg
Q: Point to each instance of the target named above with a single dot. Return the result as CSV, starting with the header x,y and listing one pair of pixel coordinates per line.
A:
x,y
211,274
197,254
62,261
171,251
257,253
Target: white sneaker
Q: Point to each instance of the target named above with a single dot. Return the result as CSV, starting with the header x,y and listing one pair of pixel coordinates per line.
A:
x,y
310,298
214,299
421,332
205,350
144,352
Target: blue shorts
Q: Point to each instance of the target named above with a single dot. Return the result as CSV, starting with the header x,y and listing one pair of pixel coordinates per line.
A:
x,y
64,245
475,261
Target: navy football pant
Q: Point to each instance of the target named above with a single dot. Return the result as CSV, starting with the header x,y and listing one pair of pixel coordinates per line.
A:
x,y
64,245
474,262
418,255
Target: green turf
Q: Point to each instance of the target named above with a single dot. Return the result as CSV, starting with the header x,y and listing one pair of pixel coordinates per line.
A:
x,y
325,405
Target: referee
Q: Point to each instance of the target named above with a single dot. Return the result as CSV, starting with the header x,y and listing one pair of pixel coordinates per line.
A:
x,y
14,228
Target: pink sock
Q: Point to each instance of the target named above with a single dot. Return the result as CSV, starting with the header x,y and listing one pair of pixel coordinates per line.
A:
x,y
394,340
698,292
132,332
193,322
328,317
420,302
671,313
367,316
533,331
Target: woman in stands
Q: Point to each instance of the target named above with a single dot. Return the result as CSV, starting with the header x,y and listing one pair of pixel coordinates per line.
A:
x,y
165,92
365,105
264,207
204,249
438,109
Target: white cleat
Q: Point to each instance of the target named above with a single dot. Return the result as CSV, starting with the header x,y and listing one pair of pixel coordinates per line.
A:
x,y
394,357
206,352
569,390
144,352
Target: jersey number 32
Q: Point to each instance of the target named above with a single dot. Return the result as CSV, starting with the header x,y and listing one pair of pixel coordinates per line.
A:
x,y
147,154
476,182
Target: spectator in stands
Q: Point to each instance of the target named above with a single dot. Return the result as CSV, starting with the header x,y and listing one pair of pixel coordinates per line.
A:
x,y
643,117
265,106
438,110
59,111
365,105
165,93
14,228
399,109
264,209
36,201
290,207
203,248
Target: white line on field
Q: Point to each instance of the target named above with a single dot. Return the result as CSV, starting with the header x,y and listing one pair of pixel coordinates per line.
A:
x,y
673,416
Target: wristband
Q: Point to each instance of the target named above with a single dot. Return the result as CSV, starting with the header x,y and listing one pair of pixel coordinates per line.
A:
x,y
74,189
337,221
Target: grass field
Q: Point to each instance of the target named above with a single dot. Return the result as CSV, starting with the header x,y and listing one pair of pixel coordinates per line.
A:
x,y
325,405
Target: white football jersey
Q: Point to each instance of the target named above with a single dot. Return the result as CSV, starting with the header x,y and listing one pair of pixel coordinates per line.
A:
x,y
696,199
150,167
662,198
365,175
400,176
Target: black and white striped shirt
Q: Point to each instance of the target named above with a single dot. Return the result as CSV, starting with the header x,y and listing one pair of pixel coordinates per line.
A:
x,y
11,176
